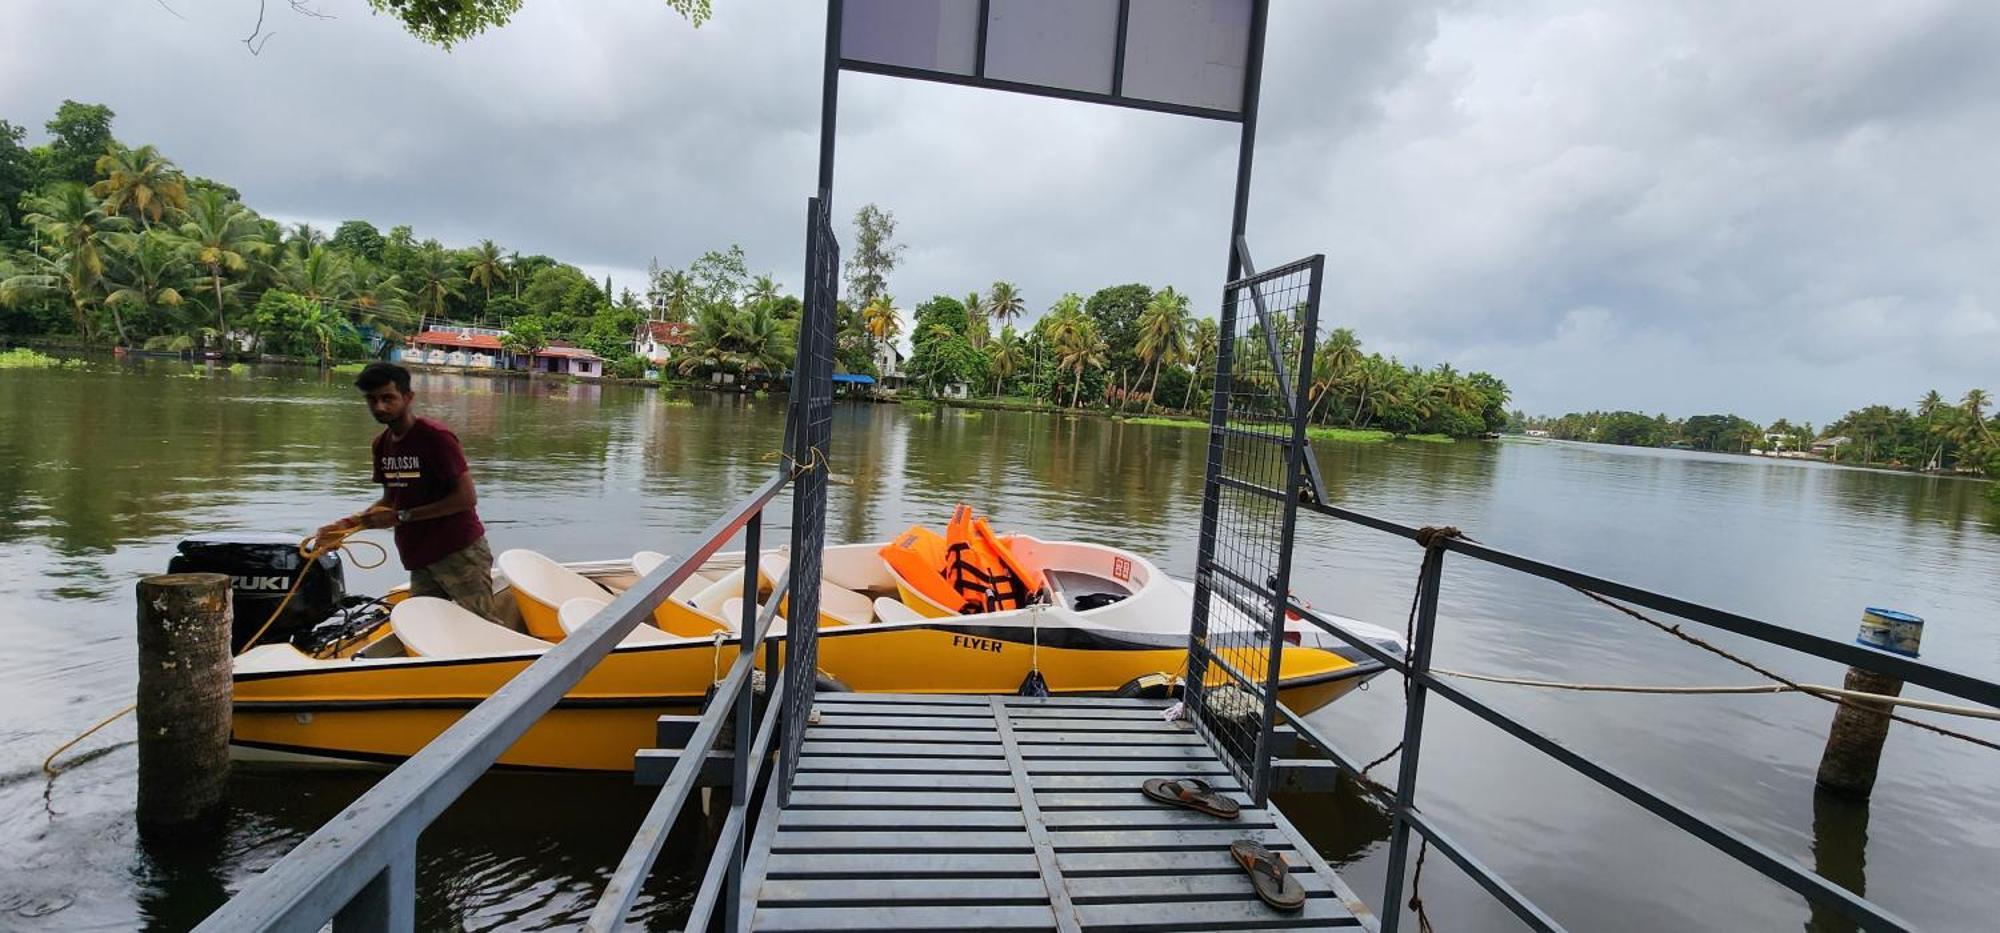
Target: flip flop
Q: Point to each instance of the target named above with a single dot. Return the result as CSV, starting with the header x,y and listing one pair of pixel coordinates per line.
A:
x,y
1192,793
1268,874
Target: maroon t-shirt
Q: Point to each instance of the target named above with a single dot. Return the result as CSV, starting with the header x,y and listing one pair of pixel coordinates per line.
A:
x,y
418,469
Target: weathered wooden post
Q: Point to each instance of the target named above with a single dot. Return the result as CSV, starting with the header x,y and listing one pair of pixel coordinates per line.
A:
x,y
1854,744
183,701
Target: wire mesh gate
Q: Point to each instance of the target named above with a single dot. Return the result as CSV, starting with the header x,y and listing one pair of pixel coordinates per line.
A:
x,y
811,431
1255,476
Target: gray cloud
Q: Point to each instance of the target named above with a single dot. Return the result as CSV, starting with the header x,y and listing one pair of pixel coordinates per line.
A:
x,y
1776,209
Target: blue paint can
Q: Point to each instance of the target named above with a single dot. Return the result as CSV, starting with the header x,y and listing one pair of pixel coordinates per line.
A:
x,y
1892,631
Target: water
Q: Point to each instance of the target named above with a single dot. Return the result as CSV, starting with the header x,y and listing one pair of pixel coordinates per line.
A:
x,y
102,470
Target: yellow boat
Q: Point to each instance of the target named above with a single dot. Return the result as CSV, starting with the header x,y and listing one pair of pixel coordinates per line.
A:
x,y
434,661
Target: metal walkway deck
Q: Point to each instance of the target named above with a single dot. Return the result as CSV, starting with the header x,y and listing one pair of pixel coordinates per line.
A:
x,y
1013,813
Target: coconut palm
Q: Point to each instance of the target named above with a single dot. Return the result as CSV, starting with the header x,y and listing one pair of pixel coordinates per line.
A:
x,y
1203,340
140,182
1004,304
759,341
323,324
764,290
881,320
300,239
433,280
486,267
320,276
148,273
977,331
678,291
70,229
223,239
1974,405
1008,352
1163,335
1080,348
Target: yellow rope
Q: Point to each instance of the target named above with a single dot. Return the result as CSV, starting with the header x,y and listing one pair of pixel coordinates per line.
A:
x,y
311,548
48,764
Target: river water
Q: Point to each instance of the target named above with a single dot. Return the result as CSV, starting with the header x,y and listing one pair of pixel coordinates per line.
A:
x,y
102,470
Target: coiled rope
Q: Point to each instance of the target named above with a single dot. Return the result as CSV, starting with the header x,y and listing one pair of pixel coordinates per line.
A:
x,y
311,548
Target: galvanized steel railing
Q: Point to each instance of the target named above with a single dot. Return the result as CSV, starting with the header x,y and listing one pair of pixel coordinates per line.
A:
x,y
1402,801
359,870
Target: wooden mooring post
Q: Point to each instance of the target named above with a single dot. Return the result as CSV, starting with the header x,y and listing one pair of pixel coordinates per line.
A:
x,y
1854,744
183,700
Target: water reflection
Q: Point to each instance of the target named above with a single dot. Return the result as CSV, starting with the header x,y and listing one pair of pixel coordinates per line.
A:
x,y
102,471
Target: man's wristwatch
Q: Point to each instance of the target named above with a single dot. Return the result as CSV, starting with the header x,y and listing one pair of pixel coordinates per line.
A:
x,y
402,516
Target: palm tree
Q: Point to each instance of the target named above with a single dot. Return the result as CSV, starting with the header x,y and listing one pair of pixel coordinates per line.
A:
x,y
1163,335
380,302
1009,352
1203,342
1974,404
486,267
140,182
302,238
148,275
679,291
434,280
1079,348
323,324
71,228
764,291
320,276
1003,303
881,320
976,330
223,238
759,341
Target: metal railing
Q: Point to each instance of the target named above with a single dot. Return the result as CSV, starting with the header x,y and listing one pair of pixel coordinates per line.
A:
x,y
359,869
1402,801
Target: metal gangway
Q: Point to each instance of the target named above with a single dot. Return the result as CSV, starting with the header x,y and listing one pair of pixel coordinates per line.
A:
x,y
793,769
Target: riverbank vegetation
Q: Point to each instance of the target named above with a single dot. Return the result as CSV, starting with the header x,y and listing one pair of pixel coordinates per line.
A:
x,y
1936,434
1131,349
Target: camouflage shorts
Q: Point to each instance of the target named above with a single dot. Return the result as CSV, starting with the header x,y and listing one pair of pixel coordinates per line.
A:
x,y
464,577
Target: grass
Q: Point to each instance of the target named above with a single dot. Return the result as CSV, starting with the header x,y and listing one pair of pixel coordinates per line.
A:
x,y
348,369
24,358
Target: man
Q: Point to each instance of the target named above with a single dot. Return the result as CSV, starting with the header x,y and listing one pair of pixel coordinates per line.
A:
x,y
427,496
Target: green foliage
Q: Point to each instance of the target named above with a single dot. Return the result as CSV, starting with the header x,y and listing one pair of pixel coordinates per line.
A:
x,y
445,23
79,134
24,358
358,238
17,178
874,255
1115,313
629,366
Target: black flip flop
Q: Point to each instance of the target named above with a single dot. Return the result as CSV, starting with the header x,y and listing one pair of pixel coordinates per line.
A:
x,y
1269,875
1192,793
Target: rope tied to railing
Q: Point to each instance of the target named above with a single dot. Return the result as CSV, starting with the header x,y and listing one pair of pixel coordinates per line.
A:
x,y
1432,539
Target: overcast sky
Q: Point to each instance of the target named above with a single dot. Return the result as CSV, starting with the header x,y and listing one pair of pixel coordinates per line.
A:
x,y
1771,208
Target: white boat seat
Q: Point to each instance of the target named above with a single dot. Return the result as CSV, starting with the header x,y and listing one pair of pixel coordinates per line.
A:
x,y
837,604
430,627
573,615
272,657
732,609
540,585
645,562
894,610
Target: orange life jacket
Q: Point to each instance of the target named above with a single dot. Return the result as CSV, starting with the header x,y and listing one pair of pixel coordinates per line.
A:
x,y
968,570
982,569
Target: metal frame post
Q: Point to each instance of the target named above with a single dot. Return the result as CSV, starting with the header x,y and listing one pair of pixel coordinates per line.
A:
x,y
1422,640
739,776
1246,146
829,102
388,901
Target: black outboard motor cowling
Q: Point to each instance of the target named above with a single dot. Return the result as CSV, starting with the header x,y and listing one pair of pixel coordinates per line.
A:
x,y
261,567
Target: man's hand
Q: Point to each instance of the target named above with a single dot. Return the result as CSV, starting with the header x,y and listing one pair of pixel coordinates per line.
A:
x,y
378,518
338,525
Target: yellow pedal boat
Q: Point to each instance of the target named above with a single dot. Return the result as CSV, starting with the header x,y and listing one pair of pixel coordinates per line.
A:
x,y
433,661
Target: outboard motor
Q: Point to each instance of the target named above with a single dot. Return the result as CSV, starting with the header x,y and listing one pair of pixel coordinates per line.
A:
x,y
261,568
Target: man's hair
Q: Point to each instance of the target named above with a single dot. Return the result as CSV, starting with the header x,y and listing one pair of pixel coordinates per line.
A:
x,y
376,375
